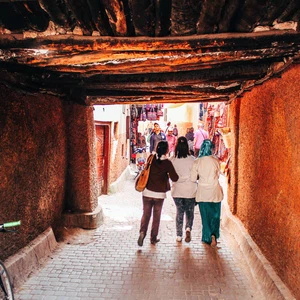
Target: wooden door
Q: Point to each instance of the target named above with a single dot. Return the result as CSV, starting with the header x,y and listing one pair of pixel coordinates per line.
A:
x,y
102,137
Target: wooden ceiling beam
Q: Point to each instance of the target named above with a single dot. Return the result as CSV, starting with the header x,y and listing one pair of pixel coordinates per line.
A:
x,y
135,56
199,68
76,44
106,100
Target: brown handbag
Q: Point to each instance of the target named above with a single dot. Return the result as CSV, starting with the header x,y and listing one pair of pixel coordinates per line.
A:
x,y
142,179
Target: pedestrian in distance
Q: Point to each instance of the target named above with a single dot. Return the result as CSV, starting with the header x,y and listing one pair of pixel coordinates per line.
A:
x,y
156,136
175,130
199,136
190,139
155,192
206,169
168,125
184,189
190,134
171,139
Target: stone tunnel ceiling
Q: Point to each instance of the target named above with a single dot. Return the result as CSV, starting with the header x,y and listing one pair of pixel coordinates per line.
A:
x,y
133,51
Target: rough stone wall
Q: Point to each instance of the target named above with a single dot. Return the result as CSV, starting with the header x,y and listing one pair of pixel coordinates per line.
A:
x,y
118,161
32,165
82,186
264,190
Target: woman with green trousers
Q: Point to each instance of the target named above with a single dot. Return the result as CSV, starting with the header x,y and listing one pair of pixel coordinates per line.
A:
x,y
206,169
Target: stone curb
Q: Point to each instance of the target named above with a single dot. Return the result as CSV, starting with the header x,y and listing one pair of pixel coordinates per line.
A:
x,y
31,257
262,271
90,220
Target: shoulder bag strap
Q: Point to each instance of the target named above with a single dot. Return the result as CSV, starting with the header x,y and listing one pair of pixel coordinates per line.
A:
x,y
149,160
202,134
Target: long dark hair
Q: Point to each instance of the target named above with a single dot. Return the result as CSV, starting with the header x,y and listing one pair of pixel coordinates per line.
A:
x,y
182,147
162,148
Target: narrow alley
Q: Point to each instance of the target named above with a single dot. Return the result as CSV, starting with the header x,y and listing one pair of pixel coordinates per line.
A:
x,y
107,263
82,84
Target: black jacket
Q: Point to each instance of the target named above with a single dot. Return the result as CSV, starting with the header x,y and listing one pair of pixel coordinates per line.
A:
x,y
160,171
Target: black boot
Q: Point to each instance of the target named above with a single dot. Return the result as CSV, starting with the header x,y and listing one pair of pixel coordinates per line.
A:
x,y
141,239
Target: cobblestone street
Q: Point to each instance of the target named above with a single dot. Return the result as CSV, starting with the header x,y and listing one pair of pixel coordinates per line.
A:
x,y
107,263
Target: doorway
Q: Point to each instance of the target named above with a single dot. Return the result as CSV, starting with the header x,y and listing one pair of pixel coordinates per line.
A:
x,y
102,154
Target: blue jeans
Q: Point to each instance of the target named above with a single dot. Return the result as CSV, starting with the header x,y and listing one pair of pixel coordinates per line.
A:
x,y
184,206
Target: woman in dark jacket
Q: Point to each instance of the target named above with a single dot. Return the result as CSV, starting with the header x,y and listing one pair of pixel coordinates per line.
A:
x,y
155,192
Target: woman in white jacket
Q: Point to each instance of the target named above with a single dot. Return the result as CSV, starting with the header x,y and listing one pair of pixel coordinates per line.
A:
x,y
209,195
183,191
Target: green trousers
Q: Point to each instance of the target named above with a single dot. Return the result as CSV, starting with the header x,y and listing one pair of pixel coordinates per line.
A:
x,y
210,214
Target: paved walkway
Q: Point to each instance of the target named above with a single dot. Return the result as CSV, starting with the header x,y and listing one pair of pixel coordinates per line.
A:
x,y
107,263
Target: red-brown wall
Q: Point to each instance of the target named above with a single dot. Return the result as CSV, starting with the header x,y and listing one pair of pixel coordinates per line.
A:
x,y
81,179
32,165
264,189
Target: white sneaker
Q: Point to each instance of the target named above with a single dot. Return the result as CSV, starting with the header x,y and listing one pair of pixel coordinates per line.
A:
x,y
178,239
